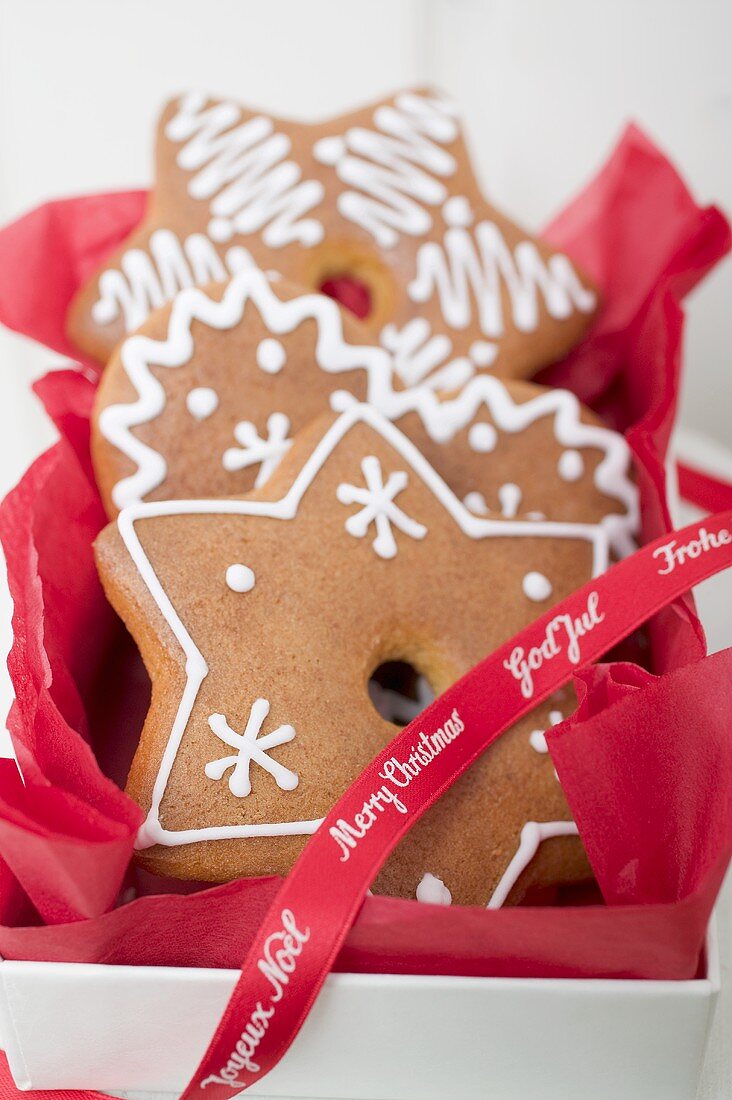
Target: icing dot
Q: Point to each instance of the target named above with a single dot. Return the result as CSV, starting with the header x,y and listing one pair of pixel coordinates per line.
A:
x,y
509,497
537,740
571,466
220,229
537,587
475,502
271,356
201,402
457,212
482,353
329,150
482,437
432,891
340,400
240,578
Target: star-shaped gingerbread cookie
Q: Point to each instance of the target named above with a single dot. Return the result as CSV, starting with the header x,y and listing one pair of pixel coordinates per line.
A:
x,y
262,620
380,208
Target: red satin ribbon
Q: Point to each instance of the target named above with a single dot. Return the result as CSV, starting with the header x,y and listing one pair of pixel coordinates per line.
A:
x,y
710,493
302,933
310,917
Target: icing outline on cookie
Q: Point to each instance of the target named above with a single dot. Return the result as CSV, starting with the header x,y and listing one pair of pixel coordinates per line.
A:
x,y
533,834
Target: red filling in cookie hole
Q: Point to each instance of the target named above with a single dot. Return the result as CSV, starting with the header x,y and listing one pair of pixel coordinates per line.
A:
x,y
350,292
399,692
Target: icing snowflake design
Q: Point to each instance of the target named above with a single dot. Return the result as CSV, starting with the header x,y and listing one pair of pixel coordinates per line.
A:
x,y
251,747
253,449
379,508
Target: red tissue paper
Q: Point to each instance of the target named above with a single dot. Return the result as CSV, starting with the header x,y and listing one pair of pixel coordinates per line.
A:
x,y
642,762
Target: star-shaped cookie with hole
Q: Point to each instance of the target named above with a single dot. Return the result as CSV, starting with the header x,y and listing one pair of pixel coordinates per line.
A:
x,y
380,208
263,619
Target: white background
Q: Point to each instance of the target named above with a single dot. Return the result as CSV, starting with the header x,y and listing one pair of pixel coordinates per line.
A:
x,y
545,87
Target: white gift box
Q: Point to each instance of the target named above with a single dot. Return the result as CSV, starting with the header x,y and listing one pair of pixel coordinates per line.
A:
x,y
369,1036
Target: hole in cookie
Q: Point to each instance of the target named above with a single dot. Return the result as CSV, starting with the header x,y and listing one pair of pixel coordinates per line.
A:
x,y
399,692
350,292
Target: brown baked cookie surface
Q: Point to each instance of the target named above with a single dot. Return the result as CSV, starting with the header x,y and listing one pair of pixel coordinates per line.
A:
x,y
384,200
204,401
262,620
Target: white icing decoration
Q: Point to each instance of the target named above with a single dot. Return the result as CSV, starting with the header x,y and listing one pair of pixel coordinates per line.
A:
x,y
571,466
509,498
271,356
532,835
537,738
340,400
536,587
147,279
482,437
432,891
442,419
286,508
329,150
250,747
393,168
457,211
475,502
240,578
202,402
482,353
242,171
253,450
420,356
475,266
379,508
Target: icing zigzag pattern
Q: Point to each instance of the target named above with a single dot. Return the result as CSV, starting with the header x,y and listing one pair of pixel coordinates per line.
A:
x,y
242,171
394,172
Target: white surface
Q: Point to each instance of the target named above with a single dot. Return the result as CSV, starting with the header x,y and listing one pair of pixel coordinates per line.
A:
x,y
369,1036
545,89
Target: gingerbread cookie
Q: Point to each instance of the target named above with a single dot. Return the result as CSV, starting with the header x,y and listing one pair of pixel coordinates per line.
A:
x,y
204,401
261,621
383,200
